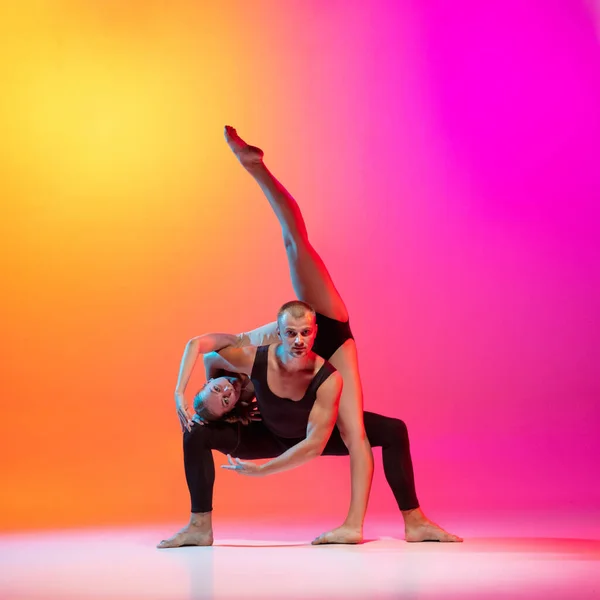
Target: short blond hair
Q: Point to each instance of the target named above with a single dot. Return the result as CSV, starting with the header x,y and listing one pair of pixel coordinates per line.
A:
x,y
295,308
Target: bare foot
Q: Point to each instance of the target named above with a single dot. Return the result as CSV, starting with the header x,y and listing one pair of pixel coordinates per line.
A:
x,y
188,536
427,531
340,535
249,156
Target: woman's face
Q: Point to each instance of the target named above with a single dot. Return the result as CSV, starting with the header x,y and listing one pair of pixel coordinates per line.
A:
x,y
220,395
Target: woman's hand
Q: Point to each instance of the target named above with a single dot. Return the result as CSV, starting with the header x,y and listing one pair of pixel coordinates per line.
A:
x,y
185,419
244,413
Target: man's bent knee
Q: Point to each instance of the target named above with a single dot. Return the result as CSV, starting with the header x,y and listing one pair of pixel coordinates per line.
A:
x,y
396,429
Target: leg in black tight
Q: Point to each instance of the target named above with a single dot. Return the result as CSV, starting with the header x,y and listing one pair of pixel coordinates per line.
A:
x,y
392,435
244,441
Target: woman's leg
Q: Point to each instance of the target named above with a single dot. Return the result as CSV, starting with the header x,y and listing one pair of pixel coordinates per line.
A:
x,y
310,278
313,284
246,441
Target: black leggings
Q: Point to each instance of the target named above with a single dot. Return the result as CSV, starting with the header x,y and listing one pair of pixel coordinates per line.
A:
x,y
256,441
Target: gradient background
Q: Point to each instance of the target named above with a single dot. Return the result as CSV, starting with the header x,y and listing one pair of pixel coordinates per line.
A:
x,y
446,159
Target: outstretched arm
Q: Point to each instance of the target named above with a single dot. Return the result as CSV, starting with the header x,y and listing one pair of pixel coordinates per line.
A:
x,y
320,425
201,344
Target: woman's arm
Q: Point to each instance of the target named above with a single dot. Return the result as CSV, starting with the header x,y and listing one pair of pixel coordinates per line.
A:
x,y
236,360
202,344
261,336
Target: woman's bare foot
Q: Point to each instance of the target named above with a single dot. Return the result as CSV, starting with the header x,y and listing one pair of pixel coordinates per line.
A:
x,y
198,532
249,156
340,535
188,536
418,528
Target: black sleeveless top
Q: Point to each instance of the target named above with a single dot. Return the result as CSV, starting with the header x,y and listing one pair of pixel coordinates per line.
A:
x,y
284,417
331,334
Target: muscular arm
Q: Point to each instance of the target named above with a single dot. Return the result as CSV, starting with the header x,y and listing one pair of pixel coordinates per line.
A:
x,y
321,421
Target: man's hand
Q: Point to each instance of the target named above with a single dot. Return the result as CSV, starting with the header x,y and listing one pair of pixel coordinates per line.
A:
x,y
185,420
243,467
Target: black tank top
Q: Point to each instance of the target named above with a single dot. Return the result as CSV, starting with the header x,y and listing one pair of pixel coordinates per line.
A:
x,y
284,417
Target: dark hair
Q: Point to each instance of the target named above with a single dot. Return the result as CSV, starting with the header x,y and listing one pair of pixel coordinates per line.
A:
x,y
200,407
246,395
296,308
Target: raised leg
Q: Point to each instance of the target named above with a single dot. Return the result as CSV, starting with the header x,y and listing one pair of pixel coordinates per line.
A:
x,y
310,278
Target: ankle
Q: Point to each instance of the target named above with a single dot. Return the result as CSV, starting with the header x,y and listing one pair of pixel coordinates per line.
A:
x,y
259,171
201,521
414,516
353,524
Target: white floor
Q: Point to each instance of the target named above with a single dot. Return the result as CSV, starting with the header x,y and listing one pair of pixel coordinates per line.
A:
x,y
502,557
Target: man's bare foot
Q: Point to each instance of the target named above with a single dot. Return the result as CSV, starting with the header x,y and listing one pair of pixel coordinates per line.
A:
x,y
427,531
190,535
249,156
418,528
340,535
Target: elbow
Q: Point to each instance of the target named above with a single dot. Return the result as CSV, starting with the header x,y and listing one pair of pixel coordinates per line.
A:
x,y
315,446
193,344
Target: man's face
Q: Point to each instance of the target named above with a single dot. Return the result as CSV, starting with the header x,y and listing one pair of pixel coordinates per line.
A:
x,y
220,395
297,333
